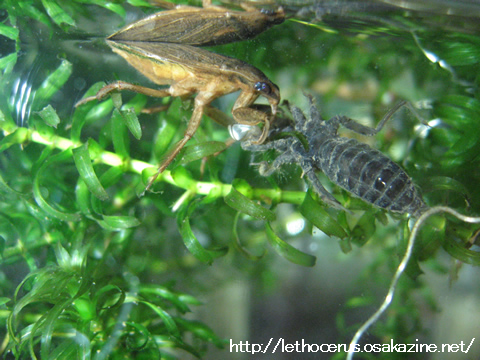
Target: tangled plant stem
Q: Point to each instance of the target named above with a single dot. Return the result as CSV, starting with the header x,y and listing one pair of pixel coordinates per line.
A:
x,y
137,166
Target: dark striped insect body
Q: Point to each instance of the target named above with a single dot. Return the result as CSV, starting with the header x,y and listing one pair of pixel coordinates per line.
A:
x,y
368,174
314,144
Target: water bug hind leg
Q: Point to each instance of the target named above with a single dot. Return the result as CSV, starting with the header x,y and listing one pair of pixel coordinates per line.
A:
x,y
192,127
121,86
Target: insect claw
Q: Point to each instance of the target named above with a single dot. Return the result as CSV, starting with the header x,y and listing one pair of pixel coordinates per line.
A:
x,y
264,135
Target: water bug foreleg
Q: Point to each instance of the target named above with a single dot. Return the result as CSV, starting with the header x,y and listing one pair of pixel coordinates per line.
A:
x,y
244,114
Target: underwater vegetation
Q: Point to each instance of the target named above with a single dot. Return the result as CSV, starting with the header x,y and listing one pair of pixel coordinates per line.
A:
x,y
92,266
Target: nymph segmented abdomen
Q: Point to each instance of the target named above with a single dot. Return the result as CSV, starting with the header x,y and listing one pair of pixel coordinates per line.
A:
x,y
370,175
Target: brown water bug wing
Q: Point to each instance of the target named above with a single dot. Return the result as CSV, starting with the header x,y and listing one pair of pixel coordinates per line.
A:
x,y
200,26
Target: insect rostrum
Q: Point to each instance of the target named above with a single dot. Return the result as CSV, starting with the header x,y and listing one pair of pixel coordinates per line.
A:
x,y
313,144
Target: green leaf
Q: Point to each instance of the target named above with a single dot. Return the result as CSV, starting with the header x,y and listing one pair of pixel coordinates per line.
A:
x,y
460,101
317,215
28,9
166,318
50,284
136,104
109,297
430,238
116,99
345,245
120,222
49,116
37,193
359,301
243,187
53,83
176,299
131,120
147,173
287,251
68,349
444,183
241,203
84,166
9,32
119,135
47,325
3,243
89,111
364,229
83,197
8,62
165,135
188,299
191,241
200,151
19,136
461,253
459,249
462,50
238,244
112,176
183,178
57,13
116,8
139,3
465,146
4,300
201,331
137,339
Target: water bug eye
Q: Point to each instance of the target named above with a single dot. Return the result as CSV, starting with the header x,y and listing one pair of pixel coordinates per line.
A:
x,y
263,87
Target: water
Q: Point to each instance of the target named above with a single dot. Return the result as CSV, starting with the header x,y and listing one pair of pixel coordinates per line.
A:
x,y
357,58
